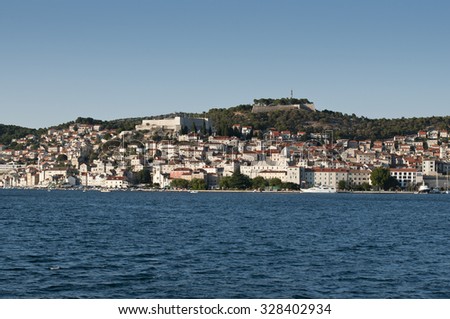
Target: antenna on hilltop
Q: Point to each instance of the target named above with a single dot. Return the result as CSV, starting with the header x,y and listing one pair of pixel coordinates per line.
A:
x,y
292,94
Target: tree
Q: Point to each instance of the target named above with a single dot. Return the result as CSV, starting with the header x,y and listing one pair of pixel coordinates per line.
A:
x,y
87,120
194,127
392,183
93,156
197,184
259,182
143,176
342,185
239,181
381,178
230,131
236,132
275,183
363,187
156,137
72,171
179,183
61,158
290,186
203,130
225,182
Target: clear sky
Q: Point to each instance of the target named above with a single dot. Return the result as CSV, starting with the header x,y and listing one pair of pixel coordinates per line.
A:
x,y
61,59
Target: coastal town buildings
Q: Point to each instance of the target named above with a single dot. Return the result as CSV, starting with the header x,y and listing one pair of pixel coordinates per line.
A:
x,y
84,155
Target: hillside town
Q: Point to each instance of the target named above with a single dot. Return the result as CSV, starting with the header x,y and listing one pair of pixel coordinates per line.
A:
x,y
158,152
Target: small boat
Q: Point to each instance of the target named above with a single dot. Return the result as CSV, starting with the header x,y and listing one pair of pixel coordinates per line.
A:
x,y
424,189
435,190
193,192
319,189
105,190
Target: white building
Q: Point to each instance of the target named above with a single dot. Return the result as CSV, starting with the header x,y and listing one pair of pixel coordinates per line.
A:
x,y
255,168
116,182
359,177
324,176
429,166
50,175
174,124
266,174
406,176
270,169
160,175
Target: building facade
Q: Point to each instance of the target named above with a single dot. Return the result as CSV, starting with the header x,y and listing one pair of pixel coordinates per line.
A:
x,y
174,124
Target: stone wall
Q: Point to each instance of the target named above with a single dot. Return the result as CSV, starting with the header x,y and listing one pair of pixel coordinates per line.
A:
x,y
265,108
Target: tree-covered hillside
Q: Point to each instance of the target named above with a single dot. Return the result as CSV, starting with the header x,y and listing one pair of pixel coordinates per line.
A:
x,y
343,125
281,101
223,119
10,132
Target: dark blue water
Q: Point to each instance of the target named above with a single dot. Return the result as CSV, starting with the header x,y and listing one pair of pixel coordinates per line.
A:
x,y
70,244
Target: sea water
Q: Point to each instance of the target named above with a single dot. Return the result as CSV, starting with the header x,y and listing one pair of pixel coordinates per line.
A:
x,y
73,244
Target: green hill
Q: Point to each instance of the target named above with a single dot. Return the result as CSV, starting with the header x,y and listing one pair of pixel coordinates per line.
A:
x,y
10,132
223,119
343,125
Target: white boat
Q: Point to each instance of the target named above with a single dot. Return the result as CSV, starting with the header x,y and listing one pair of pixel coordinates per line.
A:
x,y
193,192
319,189
105,190
424,189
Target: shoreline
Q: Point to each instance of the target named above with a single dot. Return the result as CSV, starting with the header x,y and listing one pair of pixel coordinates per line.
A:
x,y
201,191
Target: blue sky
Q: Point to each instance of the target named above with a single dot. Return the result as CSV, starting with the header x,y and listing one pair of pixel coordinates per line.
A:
x,y
115,59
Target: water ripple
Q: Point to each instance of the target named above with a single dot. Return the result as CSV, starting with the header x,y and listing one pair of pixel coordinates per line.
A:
x,y
223,245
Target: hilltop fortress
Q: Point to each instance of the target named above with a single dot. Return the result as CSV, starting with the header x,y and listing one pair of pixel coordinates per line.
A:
x,y
285,104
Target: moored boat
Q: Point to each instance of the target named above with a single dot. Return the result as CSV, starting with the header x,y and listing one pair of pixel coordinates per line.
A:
x,y
319,189
435,190
424,189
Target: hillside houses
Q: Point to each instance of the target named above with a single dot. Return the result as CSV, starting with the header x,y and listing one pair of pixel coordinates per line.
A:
x,y
89,156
